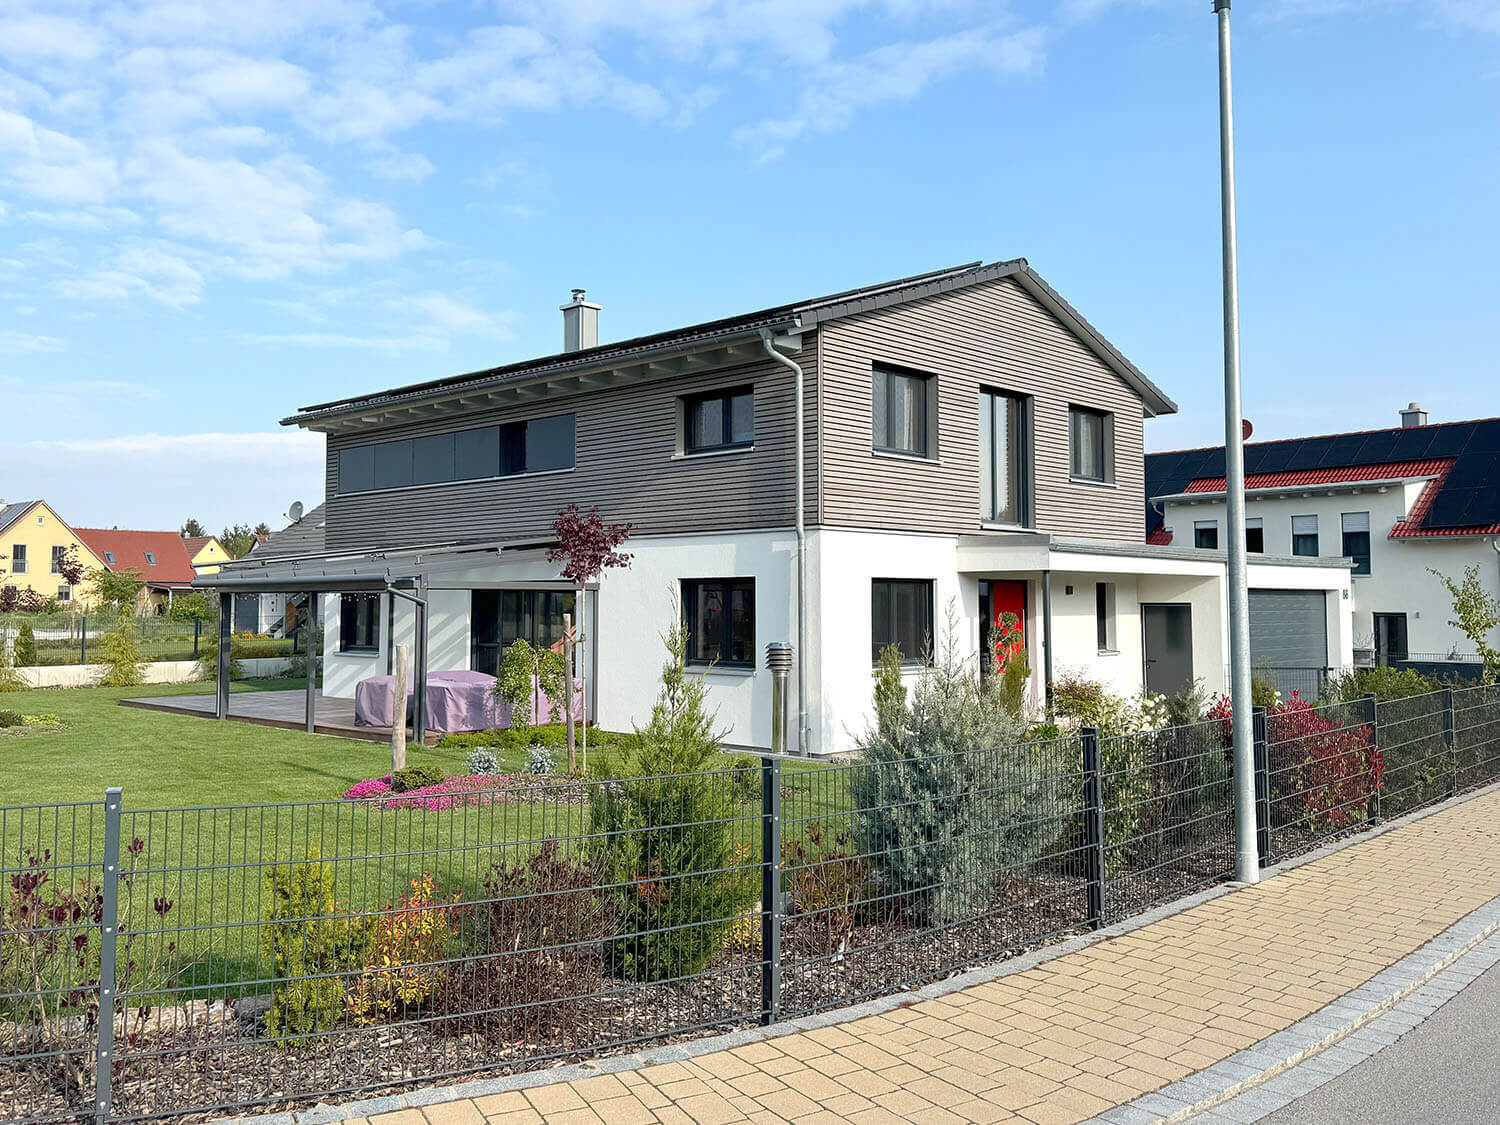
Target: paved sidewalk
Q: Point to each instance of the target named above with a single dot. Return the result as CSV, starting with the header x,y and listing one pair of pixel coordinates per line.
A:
x,y
1080,1034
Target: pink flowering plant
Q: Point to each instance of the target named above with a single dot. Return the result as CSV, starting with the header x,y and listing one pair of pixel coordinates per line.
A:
x,y
466,790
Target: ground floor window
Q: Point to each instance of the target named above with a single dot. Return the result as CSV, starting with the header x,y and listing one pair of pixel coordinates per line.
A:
x,y
359,622
65,593
502,617
1104,616
719,614
901,615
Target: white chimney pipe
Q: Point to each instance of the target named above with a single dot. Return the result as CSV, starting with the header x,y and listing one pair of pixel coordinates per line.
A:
x,y
1413,415
580,323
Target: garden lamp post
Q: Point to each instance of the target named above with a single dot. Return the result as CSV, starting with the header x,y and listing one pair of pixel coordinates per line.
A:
x,y
1247,858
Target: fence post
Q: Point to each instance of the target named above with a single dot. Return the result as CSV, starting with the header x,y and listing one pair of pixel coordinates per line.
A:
x,y
1372,716
83,639
770,889
197,631
1093,826
109,933
1450,741
1262,786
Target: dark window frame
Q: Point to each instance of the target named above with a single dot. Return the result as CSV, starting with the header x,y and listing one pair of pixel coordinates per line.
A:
x,y
725,396
1201,535
59,553
1305,544
1351,550
1076,470
880,384
525,447
1104,617
1255,538
18,560
359,632
500,617
691,588
989,478
889,631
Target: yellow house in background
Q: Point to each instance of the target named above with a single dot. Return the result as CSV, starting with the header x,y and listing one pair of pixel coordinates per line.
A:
x,y
207,552
33,541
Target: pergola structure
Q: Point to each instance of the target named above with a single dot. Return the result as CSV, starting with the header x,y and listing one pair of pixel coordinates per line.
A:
x,y
405,573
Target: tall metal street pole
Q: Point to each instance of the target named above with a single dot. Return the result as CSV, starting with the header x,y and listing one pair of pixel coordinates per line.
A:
x,y
1247,858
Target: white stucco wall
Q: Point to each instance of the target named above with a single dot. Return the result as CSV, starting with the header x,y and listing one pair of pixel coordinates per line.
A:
x,y
1399,580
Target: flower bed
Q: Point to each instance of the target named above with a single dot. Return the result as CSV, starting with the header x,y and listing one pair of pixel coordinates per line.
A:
x,y
474,790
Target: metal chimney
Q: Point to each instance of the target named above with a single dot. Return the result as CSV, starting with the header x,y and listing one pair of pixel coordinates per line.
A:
x,y
1413,415
779,661
580,324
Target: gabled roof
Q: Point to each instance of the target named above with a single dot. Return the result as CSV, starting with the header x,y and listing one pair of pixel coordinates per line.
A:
x,y
128,549
1462,460
795,316
10,513
196,543
305,537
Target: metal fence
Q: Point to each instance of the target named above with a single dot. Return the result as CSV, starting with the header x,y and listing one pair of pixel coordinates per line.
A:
x,y
269,954
82,639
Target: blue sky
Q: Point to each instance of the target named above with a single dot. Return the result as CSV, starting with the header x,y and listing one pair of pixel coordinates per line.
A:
x,y
212,214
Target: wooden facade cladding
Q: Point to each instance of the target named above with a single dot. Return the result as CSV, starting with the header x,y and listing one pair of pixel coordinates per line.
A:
x,y
627,461
989,336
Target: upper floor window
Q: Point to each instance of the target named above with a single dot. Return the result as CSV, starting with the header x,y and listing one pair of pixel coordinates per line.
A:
x,y
720,617
18,559
1206,535
359,622
718,420
1305,536
59,556
901,412
109,557
535,446
150,559
901,615
1004,454
1255,535
1091,444
1356,529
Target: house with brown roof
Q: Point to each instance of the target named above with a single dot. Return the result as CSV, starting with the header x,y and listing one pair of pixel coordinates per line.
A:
x,y
161,558
207,553
1399,503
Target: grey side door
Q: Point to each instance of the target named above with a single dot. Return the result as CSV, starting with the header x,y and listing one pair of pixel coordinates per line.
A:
x,y
1167,644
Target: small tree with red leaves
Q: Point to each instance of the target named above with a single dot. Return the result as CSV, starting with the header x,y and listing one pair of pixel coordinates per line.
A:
x,y
587,546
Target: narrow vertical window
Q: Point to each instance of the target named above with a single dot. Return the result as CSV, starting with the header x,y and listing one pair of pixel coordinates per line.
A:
x,y
1356,544
1091,440
1255,535
1004,458
1305,536
1104,615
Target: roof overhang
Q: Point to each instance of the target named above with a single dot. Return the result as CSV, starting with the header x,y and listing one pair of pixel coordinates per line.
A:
x,y
559,379
1272,491
1031,552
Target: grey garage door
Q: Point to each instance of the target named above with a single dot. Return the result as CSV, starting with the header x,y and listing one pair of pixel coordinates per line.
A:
x,y
1289,635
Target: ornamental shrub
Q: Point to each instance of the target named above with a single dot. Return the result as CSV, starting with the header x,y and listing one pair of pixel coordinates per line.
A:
x,y
664,834
1383,681
121,650
890,692
482,762
829,886
12,719
956,798
523,669
1330,770
501,741
542,926
309,947
416,777
25,651
404,958
540,760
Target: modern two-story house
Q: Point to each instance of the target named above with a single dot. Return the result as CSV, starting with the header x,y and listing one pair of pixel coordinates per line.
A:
x,y
838,474
1399,502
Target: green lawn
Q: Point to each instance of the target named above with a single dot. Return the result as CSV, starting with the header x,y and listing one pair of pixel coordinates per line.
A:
x,y
215,805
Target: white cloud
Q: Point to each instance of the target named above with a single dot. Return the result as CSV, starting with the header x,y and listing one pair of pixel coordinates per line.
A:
x,y
408,167
22,343
47,164
146,270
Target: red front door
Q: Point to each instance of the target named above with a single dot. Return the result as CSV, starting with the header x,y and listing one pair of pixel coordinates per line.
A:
x,y
1006,627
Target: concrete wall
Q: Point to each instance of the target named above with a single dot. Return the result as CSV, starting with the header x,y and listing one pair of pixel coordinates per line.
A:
x,y
158,672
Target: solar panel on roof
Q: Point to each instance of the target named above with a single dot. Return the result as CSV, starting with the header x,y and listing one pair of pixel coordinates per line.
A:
x,y
1377,448
1448,441
1412,444
1339,451
1276,458
1451,508
1308,456
1486,438
1469,471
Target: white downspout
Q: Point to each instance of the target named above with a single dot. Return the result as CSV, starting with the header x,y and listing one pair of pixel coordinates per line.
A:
x,y
766,339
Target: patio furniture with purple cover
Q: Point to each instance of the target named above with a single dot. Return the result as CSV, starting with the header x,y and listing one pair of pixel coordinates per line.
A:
x,y
456,701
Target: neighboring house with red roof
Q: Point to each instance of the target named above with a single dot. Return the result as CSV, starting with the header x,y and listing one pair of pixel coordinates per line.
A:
x,y
161,558
1399,502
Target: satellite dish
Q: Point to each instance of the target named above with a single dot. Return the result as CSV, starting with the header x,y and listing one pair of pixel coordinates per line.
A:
x,y
294,513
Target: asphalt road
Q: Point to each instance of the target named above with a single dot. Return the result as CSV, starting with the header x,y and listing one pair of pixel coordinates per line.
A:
x,y
1445,1070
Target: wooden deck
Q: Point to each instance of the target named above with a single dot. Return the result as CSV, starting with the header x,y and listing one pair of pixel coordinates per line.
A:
x,y
287,709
